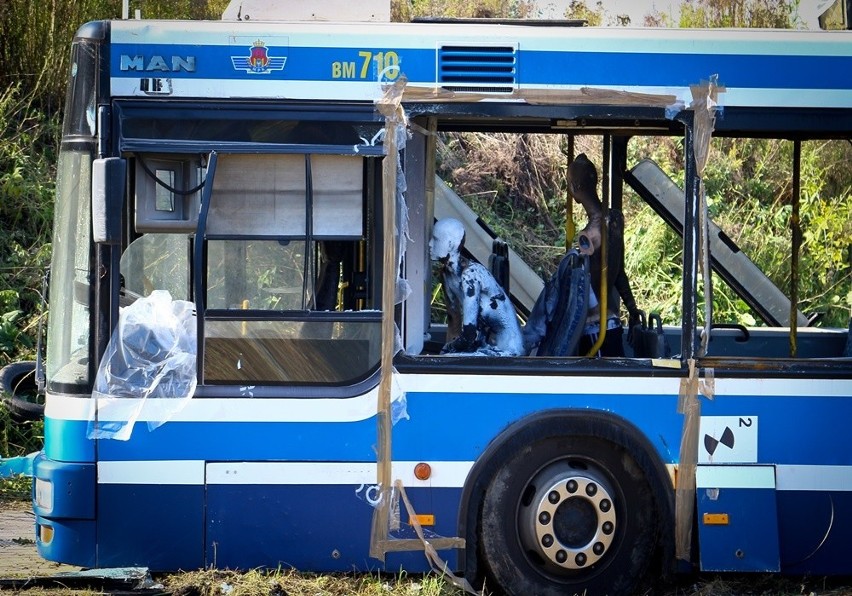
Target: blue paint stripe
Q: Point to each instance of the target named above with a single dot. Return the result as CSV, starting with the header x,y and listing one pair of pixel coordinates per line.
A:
x,y
682,70
808,430
250,441
65,441
793,430
534,67
435,430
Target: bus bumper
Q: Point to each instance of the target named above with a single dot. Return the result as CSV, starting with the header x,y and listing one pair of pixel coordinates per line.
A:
x,y
64,507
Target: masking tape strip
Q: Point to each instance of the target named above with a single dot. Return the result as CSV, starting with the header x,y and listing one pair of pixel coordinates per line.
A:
x,y
390,107
584,95
704,106
707,386
690,407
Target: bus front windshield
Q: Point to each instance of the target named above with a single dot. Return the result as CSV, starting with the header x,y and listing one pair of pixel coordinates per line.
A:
x,y
68,327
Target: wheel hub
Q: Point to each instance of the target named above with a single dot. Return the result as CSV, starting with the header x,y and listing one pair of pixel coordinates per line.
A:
x,y
572,518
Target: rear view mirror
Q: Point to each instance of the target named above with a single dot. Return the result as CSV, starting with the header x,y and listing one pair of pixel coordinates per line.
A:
x,y
108,187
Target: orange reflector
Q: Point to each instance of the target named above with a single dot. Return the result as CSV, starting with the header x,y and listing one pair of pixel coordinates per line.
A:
x,y
423,471
424,519
715,519
45,534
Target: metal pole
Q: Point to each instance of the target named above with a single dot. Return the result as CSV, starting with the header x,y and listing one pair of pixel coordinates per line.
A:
x,y
689,321
796,230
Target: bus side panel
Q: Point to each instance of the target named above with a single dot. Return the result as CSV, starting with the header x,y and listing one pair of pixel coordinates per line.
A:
x,y
737,527
156,526
321,527
816,530
799,426
458,425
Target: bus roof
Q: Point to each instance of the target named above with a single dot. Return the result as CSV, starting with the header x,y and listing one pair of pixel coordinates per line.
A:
x,y
479,62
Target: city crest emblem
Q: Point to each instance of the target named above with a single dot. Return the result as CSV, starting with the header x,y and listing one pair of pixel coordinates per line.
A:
x,y
258,61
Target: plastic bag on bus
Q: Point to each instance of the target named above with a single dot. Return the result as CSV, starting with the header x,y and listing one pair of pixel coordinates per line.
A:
x,y
151,354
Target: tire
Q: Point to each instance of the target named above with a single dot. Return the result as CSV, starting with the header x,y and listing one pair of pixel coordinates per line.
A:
x,y
17,380
569,514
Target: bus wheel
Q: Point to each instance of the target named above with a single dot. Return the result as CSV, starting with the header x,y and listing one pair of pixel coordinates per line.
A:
x,y
568,514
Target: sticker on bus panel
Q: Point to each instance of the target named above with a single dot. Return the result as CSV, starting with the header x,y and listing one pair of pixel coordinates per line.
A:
x,y
258,56
727,440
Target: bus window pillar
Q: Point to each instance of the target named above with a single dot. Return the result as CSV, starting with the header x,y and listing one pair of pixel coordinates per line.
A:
x,y
690,248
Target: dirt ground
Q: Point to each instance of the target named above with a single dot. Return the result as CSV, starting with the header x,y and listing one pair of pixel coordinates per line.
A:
x,y
18,556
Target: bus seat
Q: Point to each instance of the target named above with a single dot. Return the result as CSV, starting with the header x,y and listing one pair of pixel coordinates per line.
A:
x,y
498,263
557,319
648,341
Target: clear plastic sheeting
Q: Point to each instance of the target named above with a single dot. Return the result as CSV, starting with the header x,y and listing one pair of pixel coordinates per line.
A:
x,y
151,354
399,403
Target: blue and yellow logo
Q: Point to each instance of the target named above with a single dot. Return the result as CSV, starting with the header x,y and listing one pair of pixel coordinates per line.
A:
x,y
258,61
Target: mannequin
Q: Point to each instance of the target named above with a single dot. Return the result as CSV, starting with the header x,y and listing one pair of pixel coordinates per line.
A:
x,y
480,316
582,184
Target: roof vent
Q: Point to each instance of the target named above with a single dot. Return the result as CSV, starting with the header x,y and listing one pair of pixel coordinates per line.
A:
x,y
478,68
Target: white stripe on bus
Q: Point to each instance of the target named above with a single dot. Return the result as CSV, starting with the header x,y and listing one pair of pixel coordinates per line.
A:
x,y
758,476
445,474
369,91
814,478
185,472
363,407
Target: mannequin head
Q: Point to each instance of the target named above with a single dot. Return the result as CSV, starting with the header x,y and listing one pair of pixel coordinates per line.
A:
x,y
447,240
582,177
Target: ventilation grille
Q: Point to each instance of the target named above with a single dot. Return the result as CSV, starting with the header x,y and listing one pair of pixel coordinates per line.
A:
x,y
483,67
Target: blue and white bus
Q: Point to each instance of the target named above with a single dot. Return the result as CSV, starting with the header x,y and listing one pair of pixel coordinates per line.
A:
x,y
258,197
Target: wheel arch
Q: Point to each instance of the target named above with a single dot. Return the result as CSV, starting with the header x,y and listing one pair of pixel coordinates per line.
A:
x,y
605,425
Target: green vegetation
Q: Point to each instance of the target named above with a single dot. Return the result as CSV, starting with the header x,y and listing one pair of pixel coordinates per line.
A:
x,y
212,582
218,582
17,437
27,166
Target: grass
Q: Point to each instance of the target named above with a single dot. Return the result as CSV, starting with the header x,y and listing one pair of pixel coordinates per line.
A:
x,y
18,437
255,583
291,583
214,582
15,489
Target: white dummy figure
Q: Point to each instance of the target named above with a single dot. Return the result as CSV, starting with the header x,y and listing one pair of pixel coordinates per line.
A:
x,y
480,316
